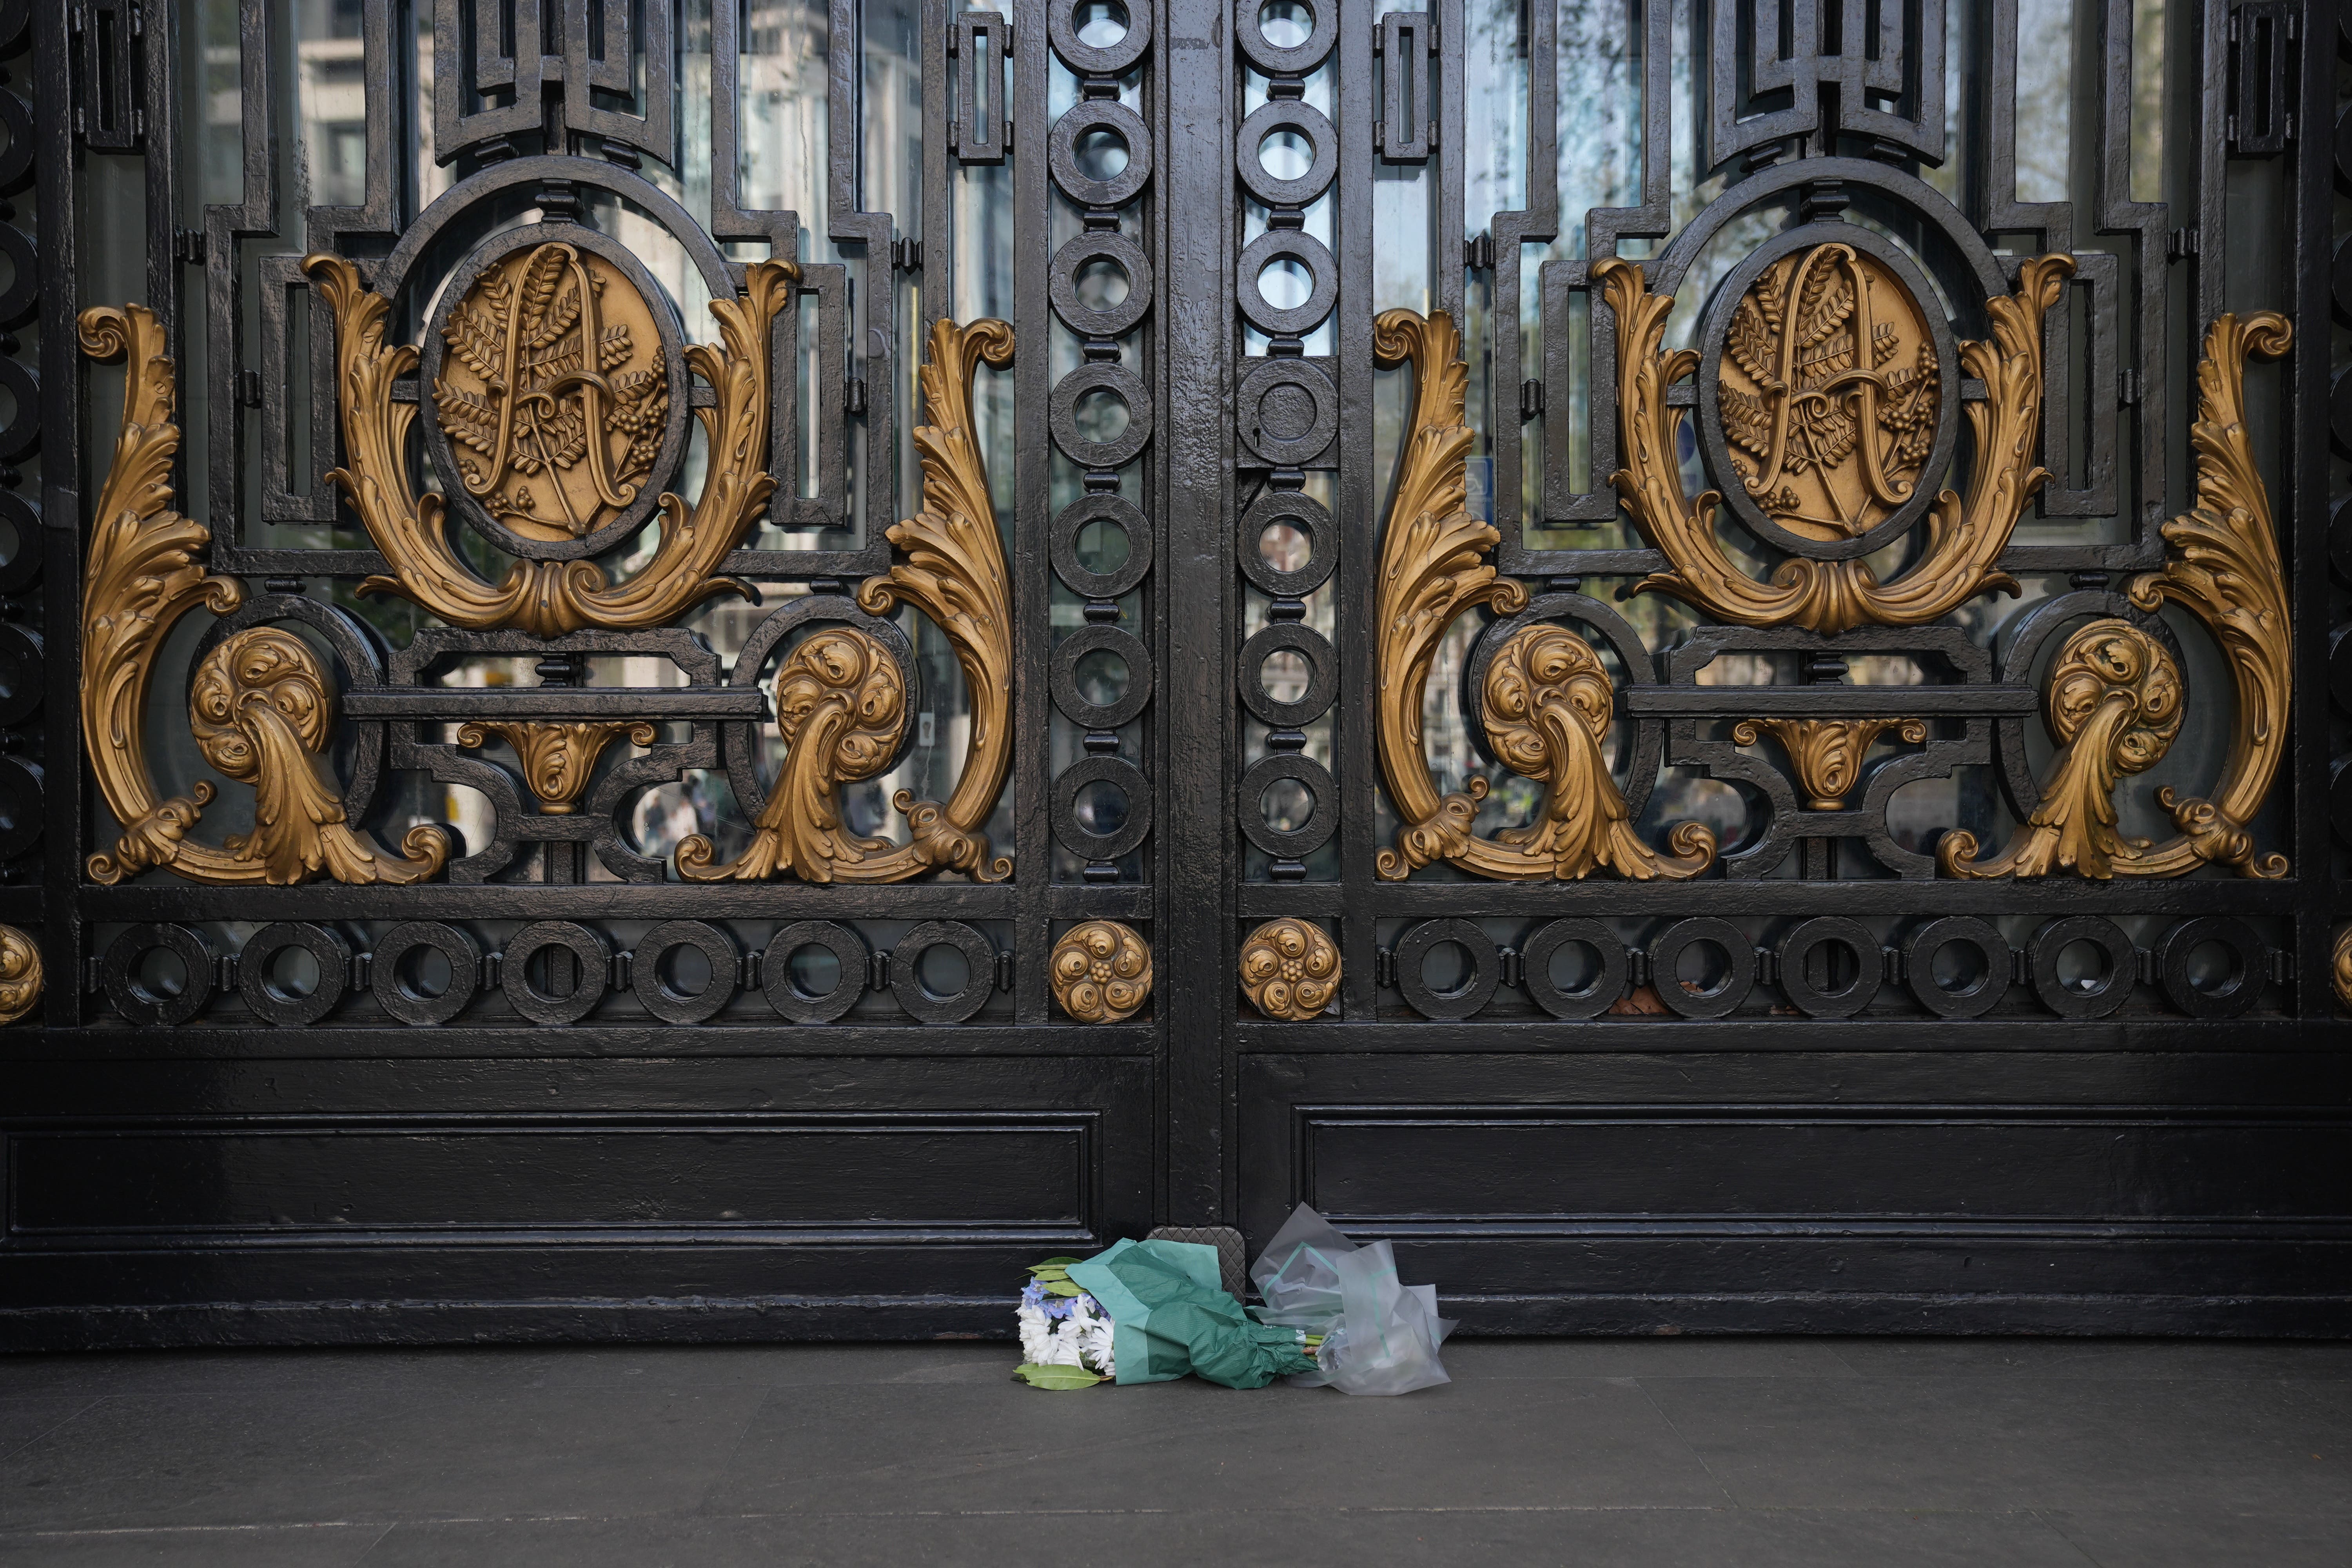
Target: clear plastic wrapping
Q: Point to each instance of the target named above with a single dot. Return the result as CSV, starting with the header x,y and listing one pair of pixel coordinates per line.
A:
x,y
1379,1335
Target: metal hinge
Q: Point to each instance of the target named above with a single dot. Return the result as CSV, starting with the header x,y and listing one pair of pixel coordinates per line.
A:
x,y
2281,966
2128,388
1531,400
2180,242
1478,255
855,397
249,388
906,255
188,247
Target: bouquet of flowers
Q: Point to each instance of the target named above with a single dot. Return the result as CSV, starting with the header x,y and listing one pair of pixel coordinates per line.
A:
x,y
1065,1336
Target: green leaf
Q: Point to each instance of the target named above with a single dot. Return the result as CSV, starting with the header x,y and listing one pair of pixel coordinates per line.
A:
x,y
1055,1377
1060,1262
1042,1272
1061,1288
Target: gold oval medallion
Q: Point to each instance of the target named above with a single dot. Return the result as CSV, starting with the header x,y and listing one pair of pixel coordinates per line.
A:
x,y
552,393
1828,392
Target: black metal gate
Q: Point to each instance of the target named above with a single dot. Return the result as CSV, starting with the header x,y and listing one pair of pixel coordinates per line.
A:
x,y
721,667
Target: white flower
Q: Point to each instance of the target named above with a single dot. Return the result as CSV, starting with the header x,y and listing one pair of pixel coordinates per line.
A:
x,y
1037,1335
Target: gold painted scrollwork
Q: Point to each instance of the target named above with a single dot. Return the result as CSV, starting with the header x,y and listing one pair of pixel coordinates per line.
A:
x,y
839,698
549,598
2115,695
20,974
1100,972
1965,537
261,710
2115,706
557,758
2224,567
1826,752
1290,969
1547,699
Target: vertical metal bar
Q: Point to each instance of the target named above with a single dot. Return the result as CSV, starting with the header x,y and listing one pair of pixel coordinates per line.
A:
x,y
2305,520
2145,222
1448,276
1033,329
874,323
938,218
64,396
1359,498
1538,223
1199,862
225,225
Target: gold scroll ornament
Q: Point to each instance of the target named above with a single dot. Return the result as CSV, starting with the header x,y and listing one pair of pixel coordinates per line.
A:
x,y
557,758
548,598
1290,969
1832,420
261,706
2115,695
2343,966
1548,702
1827,753
841,704
20,974
1100,972
553,391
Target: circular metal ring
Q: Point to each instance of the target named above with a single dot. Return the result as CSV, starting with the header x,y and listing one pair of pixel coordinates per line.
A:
x,y
402,1001
1129,780
1303,513
1919,954
1322,684
1714,333
21,300
24,562
1063,676
1062,283
22,434
22,820
1466,999
1062,414
1291,843
1249,31
1809,937
1666,959
850,954
1106,59
673,1007
1101,114
1294,320
2250,963
2093,1001
669,355
1287,114
979,972
1291,438
16,124
1607,985
264,1000
22,673
587,948
1118,512
118,972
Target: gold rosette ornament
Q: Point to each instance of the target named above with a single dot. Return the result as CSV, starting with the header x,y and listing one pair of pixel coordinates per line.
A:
x,y
1548,702
20,974
1290,969
548,598
840,701
1965,534
1100,972
2115,695
261,707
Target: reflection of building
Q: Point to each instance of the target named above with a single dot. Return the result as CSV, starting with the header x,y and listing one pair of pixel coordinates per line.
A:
x,y
332,88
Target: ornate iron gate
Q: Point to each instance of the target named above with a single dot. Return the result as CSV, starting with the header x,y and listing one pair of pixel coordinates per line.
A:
x,y
719,667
